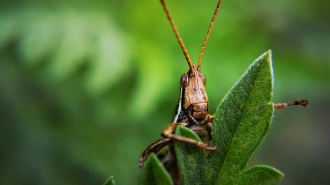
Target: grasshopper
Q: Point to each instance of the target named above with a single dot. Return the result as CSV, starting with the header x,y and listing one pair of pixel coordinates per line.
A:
x,y
192,109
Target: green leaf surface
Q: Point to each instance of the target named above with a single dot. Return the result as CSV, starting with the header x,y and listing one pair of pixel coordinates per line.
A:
x,y
261,174
154,173
242,121
192,160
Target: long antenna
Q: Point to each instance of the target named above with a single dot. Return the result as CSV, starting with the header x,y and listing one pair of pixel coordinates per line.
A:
x,y
175,29
208,34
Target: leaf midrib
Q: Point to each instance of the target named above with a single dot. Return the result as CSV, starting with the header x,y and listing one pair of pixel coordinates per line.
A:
x,y
244,112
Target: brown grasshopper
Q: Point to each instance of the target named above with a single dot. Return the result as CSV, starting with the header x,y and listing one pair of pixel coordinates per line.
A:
x,y
192,109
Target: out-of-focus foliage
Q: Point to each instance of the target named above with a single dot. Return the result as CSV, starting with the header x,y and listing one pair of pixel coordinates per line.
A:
x,y
85,86
110,181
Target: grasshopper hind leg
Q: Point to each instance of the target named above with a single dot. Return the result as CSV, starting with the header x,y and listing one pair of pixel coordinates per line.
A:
x,y
166,156
303,103
153,148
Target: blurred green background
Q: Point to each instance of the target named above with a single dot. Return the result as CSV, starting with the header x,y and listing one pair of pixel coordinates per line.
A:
x,y
86,86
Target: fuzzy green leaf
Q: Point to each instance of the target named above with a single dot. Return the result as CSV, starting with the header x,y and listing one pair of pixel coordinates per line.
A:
x,y
154,173
192,160
242,121
262,175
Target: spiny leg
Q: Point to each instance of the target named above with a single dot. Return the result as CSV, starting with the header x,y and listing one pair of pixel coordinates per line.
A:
x,y
303,103
168,132
153,148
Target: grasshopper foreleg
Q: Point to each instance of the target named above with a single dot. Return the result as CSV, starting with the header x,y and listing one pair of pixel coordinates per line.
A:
x,y
169,131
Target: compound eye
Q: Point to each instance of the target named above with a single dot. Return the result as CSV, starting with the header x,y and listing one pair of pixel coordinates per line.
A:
x,y
184,80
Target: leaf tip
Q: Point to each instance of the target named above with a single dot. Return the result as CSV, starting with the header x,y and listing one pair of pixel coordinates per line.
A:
x,y
267,55
110,181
